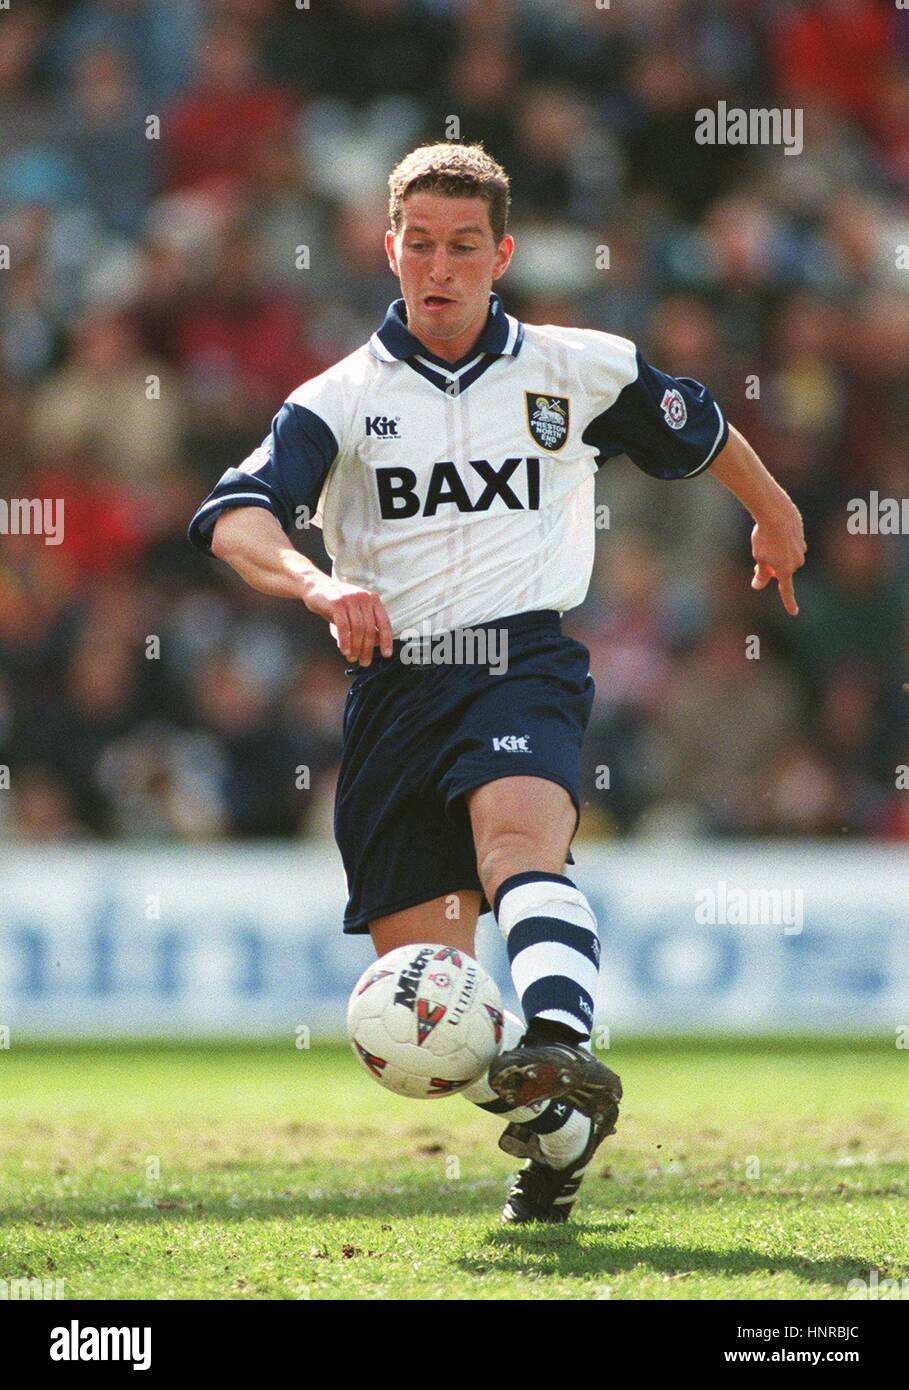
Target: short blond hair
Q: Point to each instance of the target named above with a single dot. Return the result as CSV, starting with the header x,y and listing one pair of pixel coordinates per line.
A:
x,y
457,171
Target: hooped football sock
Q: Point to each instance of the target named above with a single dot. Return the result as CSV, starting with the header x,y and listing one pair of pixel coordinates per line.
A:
x,y
481,1093
562,1130
545,1030
553,948
566,1144
544,1117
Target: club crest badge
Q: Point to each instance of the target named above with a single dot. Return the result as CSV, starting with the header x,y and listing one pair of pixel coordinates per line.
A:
x,y
547,419
673,408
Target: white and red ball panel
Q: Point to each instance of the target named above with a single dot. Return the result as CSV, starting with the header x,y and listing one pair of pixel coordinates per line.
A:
x,y
425,1020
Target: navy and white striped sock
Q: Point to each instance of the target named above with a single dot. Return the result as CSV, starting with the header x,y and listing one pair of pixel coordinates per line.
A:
x,y
563,1130
553,948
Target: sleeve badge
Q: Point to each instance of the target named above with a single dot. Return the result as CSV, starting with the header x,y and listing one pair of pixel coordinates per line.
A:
x,y
673,408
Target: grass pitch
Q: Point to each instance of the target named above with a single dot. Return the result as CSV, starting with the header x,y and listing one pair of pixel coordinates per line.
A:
x,y
761,1170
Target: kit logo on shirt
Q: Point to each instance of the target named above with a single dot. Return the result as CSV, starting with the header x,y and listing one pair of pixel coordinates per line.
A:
x,y
547,419
673,408
382,426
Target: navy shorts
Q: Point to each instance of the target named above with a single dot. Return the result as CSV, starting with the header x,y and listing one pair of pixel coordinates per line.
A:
x,y
418,736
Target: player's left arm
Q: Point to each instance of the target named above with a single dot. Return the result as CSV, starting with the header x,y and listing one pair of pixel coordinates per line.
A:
x,y
672,428
778,537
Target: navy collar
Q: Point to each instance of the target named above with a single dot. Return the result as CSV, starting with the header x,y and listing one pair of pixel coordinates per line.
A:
x,y
502,335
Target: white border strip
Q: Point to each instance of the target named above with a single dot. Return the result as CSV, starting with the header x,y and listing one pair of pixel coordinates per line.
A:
x,y
719,434
380,350
452,376
235,497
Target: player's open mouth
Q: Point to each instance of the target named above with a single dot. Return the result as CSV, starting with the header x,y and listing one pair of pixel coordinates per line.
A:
x,y
436,301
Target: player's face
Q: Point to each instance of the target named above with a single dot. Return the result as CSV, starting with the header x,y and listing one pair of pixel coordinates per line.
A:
x,y
446,259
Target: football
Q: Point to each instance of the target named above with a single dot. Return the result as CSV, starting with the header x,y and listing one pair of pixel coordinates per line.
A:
x,y
425,1020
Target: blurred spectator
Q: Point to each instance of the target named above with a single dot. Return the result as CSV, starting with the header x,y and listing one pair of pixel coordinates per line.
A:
x,y
163,296
837,48
803,794
241,347
678,176
106,134
97,702
482,92
42,809
720,728
358,50
158,38
853,608
28,116
256,779
112,400
211,134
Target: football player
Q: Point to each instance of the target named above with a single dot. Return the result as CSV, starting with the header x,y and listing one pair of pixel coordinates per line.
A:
x,y
450,462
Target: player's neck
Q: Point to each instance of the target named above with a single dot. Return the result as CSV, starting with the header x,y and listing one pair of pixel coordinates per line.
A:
x,y
453,349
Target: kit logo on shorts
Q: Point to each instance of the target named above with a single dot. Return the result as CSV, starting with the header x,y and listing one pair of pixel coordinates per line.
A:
x,y
547,419
512,743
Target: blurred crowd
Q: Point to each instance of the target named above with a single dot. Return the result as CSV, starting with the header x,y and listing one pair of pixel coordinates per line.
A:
x,y
194,199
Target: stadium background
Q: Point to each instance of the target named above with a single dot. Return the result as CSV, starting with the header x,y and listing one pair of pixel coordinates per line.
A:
x,y
176,261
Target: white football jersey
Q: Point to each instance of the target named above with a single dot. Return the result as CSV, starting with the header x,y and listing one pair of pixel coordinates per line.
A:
x,y
464,492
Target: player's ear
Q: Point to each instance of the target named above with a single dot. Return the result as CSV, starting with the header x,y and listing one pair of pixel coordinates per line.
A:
x,y
504,253
390,252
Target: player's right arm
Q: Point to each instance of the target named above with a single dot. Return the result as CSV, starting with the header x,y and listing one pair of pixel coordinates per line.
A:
x,y
250,540
250,514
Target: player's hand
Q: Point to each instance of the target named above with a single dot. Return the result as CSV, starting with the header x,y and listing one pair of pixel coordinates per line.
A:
x,y
778,547
358,617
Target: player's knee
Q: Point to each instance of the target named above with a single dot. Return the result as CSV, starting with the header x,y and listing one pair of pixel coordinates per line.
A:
x,y
515,852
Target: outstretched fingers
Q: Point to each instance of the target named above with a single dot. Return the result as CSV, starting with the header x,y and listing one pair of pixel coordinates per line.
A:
x,y
787,594
762,576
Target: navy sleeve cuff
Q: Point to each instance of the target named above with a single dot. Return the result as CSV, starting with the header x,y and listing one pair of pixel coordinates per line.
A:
x,y
203,523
